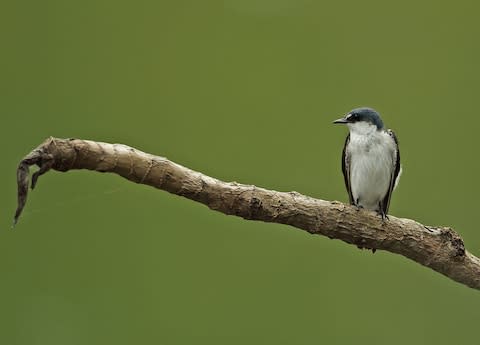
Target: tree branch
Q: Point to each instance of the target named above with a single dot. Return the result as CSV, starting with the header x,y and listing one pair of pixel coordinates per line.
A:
x,y
439,248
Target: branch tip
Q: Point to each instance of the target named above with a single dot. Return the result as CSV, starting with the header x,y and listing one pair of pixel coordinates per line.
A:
x,y
44,160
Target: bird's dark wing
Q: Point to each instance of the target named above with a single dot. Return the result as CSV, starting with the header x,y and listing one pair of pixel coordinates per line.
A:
x,y
395,172
346,169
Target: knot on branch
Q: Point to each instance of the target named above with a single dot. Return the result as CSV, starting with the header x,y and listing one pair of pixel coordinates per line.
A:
x,y
454,241
255,206
64,153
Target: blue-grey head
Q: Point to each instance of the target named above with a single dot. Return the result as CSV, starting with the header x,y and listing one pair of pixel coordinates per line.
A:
x,y
363,115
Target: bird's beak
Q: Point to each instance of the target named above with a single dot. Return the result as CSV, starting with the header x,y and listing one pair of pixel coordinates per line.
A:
x,y
342,120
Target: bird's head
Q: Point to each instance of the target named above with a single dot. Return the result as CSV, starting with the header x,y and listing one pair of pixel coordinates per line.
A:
x,y
362,120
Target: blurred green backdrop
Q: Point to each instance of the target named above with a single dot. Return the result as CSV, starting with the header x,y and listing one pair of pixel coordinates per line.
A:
x,y
241,90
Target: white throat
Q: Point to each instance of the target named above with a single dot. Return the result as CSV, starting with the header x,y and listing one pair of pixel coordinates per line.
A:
x,y
362,128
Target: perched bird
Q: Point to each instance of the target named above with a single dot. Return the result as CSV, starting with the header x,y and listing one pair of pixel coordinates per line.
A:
x,y
370,160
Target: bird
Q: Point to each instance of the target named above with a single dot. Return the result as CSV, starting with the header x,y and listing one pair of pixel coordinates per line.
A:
x,y
370,160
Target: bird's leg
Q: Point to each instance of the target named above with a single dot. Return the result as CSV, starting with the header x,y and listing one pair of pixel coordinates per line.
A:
x,y
357,204
381,212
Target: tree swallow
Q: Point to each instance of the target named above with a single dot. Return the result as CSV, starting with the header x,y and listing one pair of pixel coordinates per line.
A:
x,y
370,160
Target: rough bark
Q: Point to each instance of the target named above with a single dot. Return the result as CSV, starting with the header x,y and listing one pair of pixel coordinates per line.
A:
x,y
439,248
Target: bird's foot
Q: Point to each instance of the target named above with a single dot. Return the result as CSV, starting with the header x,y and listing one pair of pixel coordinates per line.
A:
x,y
382,214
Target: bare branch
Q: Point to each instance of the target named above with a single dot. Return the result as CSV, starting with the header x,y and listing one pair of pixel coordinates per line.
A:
x,y
439,248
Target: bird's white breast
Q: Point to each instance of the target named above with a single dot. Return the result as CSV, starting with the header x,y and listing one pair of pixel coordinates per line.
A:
x,y
372,157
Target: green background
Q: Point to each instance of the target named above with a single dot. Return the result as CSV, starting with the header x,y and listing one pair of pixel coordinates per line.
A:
x,y
242,90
